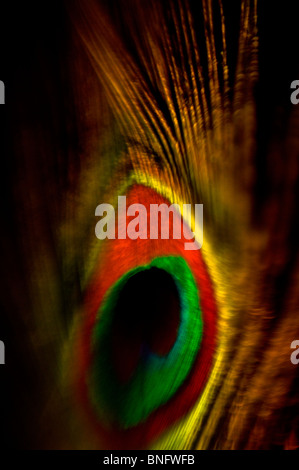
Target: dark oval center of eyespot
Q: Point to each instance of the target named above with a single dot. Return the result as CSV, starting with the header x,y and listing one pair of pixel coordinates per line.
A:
x,y
146,320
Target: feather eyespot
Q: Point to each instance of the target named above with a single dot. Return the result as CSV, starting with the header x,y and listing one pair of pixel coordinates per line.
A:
x,y
148,334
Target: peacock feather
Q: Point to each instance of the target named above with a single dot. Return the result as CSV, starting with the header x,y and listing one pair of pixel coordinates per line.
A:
x,y
140,343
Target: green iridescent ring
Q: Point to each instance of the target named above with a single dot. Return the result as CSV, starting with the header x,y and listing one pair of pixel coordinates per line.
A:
x,y
156,378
